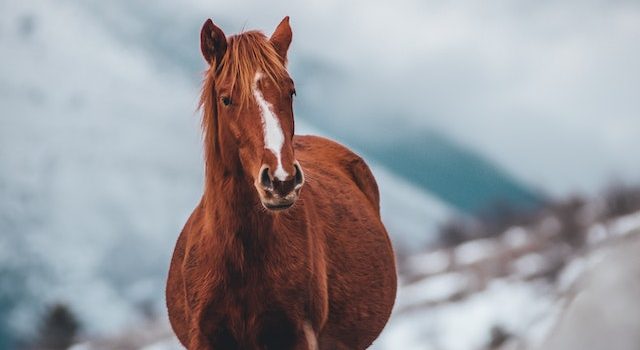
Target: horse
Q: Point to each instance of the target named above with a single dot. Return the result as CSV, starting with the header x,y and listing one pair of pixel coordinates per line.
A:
x,y
286,248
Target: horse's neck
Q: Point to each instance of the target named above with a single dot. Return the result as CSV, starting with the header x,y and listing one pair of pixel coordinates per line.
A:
x,y
233,209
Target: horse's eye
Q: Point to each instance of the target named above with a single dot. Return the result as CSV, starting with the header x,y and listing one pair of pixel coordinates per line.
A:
x,y
226,100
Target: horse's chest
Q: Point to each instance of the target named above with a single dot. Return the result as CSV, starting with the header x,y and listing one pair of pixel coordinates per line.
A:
x,y
263,287
258,309
246,298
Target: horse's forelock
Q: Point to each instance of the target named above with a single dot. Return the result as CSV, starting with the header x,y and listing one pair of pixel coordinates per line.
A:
x,y
248,53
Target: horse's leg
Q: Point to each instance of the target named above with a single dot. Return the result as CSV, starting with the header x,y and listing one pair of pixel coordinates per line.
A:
x,y
328,343
335,345
285,334
305,339
211,336
310,338
197,341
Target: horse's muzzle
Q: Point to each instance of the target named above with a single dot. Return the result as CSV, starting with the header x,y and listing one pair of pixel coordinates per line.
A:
x,y
278,194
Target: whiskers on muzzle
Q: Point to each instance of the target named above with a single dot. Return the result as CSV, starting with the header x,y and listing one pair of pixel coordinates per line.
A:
x,y
277,194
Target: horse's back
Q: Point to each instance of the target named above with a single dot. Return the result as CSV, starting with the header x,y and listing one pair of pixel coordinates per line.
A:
x,y
324,154
361,266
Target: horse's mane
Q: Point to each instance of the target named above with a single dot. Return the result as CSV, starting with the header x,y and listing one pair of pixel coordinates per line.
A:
x,y
246,54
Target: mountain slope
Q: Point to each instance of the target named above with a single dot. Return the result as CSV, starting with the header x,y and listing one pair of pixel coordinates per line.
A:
x,y
458,176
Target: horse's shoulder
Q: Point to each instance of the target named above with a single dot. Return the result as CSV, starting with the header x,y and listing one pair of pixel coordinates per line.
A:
x,y
315,150
190,230
195,220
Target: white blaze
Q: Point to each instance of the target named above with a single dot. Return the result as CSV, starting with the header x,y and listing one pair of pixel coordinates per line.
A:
x,y
273,135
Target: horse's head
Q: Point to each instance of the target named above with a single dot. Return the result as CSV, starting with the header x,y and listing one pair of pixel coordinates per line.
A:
x,y
248,113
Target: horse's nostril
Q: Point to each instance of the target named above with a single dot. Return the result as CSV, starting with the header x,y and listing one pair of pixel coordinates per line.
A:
x,y
265,179
299,177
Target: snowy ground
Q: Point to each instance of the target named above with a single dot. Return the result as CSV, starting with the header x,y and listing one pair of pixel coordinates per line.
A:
x,y
460,307
604,307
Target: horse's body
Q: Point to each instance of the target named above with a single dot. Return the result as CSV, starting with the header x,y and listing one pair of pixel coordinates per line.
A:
x,y
320,274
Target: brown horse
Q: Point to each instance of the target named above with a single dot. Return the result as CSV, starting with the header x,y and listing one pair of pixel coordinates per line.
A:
x,y
251,270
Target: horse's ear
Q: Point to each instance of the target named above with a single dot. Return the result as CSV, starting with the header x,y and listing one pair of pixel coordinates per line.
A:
x,y
213,42
281,38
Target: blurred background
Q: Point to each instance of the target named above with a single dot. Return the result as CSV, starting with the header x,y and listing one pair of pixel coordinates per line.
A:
x,y
504,136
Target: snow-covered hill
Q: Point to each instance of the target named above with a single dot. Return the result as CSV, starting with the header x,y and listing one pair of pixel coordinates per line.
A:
x,y
99,165
526,288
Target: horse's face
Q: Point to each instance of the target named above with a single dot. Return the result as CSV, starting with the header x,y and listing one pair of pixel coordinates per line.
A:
x,y
256,116
263,128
